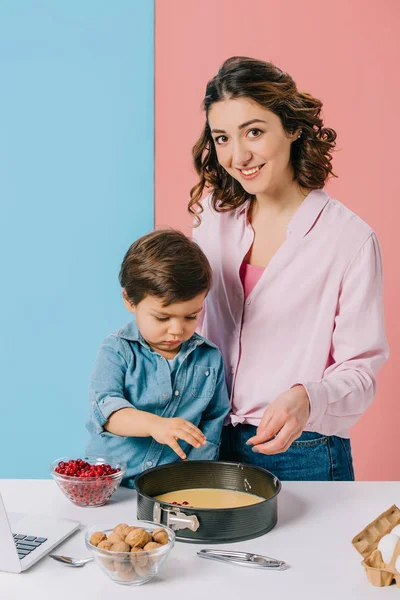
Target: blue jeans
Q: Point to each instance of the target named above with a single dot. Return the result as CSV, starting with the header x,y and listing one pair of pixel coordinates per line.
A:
x,y
312,457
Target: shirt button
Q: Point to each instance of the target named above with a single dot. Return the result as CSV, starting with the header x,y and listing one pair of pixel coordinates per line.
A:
x,y
207,373
149,463
176,393
248,302
290,232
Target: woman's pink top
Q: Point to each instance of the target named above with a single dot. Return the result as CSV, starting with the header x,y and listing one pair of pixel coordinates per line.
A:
x,y
249,275
314,317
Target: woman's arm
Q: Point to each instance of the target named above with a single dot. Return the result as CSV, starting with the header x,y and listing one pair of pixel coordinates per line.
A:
x,y
359,348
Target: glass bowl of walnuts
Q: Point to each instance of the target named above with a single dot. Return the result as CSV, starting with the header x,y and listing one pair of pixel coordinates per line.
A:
x,y
89,481
130,554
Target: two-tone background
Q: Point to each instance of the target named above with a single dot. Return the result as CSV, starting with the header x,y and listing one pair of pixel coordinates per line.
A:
x,y
99,108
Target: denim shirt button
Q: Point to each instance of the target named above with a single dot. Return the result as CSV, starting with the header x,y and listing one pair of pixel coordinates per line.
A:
x,y
149,463
207,373
176,393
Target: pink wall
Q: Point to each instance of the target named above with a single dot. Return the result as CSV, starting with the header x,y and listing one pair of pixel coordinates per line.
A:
x,y
344,52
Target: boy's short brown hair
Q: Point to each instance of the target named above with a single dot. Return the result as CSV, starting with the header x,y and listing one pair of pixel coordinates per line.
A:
x,y
165,264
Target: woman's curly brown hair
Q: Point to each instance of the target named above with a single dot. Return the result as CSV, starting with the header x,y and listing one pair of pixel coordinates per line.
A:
x,y
266,84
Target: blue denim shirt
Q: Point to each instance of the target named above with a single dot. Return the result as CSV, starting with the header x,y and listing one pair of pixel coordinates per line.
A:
x,y
128,373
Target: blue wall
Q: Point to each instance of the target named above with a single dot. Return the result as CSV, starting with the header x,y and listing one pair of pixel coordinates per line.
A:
x,y
76,188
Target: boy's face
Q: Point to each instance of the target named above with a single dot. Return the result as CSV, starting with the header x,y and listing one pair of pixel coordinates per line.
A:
x,y
165,327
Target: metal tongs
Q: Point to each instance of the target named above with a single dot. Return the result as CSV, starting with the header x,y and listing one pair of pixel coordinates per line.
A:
x,y
243,559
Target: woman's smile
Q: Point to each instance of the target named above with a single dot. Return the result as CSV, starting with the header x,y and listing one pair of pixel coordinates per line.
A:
x,y
250,173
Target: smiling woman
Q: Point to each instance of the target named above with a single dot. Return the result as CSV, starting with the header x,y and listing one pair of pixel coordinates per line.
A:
x,y
252,122
296,302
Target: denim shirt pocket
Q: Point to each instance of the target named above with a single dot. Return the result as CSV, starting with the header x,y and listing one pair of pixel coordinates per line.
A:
x,y
204,381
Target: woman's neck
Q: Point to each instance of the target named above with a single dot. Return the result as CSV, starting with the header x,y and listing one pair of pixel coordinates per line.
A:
x,y
280,201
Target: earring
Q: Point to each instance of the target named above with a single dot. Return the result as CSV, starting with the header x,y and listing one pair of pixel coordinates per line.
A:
x,y
299,136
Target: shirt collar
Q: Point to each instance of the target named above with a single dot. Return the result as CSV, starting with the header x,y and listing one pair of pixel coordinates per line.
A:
x,y
305,216
242,209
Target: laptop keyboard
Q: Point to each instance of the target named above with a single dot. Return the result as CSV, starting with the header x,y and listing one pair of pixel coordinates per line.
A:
x,y
27,543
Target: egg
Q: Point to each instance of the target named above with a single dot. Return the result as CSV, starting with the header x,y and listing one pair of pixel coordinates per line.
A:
x,y
396,530
397,564
387,545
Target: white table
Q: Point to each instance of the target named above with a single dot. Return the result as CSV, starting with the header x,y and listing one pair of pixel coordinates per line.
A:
x,y
316,523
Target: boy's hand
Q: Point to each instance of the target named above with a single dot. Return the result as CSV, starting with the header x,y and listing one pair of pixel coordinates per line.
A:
x,y
168,431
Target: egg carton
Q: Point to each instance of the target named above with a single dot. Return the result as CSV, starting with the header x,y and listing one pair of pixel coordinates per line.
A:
x,y
366,543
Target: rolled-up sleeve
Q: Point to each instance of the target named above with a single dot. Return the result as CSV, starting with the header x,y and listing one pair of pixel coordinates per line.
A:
x,y
106,388
359,347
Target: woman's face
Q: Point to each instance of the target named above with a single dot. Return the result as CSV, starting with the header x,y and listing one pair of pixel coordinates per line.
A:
x,y
252,145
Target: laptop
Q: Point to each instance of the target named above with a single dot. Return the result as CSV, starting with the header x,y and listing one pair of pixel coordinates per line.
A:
x,y
29,538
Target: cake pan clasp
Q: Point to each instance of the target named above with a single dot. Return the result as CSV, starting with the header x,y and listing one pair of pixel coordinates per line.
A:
x,y
175,519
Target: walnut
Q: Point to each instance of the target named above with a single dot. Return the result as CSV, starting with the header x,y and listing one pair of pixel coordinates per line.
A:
x,y
97,537
138,538
115,538
160,536
122,530
127,575
131,529
120,547
105,545
108,563
138,557
122,567
144,571
152,546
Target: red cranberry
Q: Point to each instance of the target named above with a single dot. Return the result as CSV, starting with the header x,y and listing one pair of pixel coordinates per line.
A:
x,y
93,492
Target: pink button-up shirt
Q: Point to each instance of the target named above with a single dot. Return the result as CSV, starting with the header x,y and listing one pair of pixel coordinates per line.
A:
x,y
314,317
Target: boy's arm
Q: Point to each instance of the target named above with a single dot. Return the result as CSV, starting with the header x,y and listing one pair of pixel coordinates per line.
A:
x,y
212,420
106,386
112,412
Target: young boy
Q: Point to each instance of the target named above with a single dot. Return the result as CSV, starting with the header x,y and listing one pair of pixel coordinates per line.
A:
x,y
156,381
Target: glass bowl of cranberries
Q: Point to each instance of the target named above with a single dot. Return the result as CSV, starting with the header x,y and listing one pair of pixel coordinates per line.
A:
x,y
89,481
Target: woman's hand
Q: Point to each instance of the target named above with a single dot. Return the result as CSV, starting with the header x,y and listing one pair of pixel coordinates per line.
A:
x,y
285,418
168,431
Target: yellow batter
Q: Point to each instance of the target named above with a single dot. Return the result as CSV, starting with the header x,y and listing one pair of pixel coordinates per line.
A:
x,y
210,498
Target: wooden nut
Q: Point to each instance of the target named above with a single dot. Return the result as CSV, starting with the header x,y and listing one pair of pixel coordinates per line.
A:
x,y
115,538
160,536
138,538
152,546
127,575
144,571
121,547
122,567
122,530
131,529
105,545
107,563
138,557
97,537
